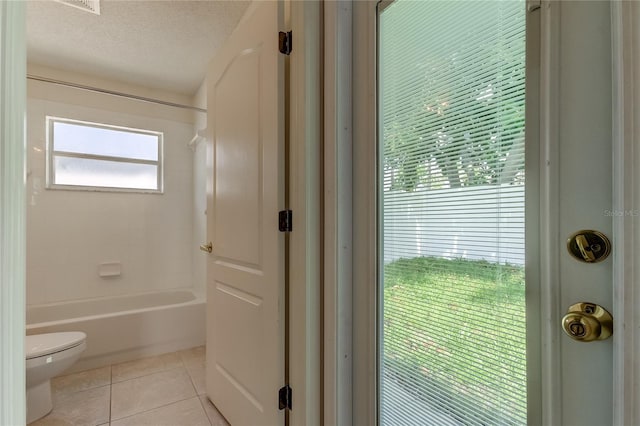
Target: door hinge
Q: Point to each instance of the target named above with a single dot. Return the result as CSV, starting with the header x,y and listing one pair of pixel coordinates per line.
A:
x,y
533,5
284,397
284,42
285,221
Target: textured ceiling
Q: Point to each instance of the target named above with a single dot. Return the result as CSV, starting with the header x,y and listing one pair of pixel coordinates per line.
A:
x,y
158,44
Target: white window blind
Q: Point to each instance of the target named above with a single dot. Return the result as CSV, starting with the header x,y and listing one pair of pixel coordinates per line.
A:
x,y
451,114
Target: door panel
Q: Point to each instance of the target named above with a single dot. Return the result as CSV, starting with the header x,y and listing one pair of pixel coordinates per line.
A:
x,y
237,168
245,274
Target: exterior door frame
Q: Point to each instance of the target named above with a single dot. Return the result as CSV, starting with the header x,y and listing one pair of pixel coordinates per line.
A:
x,y
544,403
12,211
338,218
304,162
625,24
365,228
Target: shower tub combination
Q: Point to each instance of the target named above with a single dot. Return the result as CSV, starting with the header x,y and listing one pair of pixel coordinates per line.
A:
x,y
123,328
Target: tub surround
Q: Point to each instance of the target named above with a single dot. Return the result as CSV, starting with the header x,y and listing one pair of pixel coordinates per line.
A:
x,y
87,244
199,261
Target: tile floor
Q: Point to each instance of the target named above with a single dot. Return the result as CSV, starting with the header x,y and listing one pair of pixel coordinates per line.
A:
x,y
164,390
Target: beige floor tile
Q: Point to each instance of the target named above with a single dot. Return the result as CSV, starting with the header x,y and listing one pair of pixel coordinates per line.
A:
x,y
142,367
183,413
214,415
83,380
86,408
193,356
148,392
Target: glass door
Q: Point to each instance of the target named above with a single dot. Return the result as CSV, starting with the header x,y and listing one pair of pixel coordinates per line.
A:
x,y
451,190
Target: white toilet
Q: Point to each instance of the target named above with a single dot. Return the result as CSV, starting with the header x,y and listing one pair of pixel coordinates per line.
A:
x,y
48,355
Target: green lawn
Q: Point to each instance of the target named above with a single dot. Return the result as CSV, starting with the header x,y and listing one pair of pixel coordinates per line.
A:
x,y
454,334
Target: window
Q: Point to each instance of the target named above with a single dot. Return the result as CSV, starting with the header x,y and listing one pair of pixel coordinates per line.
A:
x,y
451,135
91,156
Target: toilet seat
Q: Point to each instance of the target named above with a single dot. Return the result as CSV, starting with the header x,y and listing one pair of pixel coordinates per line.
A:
x,y
39,345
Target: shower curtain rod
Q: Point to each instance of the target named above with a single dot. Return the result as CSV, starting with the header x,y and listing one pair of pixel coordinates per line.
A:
x,y
113,93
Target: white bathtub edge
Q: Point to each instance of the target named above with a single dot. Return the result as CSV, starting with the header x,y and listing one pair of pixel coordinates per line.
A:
x,y
130,335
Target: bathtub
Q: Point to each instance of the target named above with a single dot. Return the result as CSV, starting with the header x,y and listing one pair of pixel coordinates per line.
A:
x,y
123,328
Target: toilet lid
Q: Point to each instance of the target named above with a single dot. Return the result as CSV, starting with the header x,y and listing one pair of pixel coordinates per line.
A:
x,y
45,344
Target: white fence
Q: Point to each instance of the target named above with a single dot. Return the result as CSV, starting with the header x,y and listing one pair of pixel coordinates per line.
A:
x,y
476,223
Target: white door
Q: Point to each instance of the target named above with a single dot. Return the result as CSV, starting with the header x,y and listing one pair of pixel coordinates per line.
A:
x,y
245,275
463,340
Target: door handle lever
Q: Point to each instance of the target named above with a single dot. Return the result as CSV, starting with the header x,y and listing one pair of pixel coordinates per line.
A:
x,y
207,247
589,246
585,248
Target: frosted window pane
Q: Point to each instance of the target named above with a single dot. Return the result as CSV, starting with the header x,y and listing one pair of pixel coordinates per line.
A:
x,y
101,173
85,139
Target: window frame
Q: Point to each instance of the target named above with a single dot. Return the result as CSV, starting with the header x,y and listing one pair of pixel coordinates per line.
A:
x,y
51,154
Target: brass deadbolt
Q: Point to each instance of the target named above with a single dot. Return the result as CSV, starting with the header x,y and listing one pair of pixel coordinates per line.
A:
x,y
589,246
586,322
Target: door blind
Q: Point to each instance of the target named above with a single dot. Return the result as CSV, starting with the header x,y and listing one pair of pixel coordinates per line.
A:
x,y
451,117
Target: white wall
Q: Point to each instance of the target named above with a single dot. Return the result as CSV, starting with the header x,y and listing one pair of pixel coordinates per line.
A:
x,y
200,195
69,233
476,223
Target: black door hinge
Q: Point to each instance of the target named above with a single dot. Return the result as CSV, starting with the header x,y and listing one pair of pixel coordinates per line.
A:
x,y
285,221
284,397
284,42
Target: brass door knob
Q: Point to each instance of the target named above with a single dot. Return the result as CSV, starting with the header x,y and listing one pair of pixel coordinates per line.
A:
x,y
207,247
587,322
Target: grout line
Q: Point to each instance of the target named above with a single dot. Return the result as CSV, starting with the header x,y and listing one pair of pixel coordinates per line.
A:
x,y
150,373
184,365
205,409
65,374
110,390
193,383
57,392
159,407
